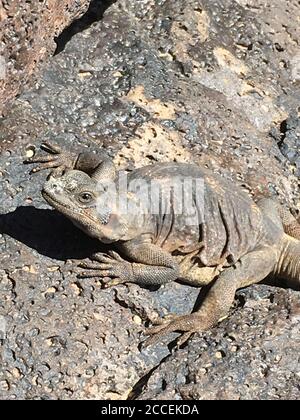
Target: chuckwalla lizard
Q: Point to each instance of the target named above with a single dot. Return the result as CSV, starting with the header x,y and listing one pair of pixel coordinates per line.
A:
x,y
234,243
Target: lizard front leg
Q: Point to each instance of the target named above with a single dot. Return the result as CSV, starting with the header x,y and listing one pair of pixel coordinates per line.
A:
x,y
252,268
54,159
97,164
111,267
150,265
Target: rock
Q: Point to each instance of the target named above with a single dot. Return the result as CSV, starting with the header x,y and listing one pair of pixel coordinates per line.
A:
x,y
289,143
261,366
202,82
28,30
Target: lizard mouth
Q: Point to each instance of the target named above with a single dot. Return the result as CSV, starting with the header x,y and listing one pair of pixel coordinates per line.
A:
x,y
76,216
65,208
56,203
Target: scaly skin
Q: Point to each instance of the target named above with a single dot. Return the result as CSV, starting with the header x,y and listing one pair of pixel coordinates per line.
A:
x,y
235,242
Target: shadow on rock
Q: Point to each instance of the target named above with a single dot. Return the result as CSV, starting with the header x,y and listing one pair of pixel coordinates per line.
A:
x,y
48,232
93,14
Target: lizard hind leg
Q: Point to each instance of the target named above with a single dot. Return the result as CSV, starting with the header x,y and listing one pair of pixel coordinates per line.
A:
x,y
194,274
252,268
55,159
280,215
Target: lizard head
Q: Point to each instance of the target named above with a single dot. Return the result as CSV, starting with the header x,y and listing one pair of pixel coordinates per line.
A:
x,y
87,203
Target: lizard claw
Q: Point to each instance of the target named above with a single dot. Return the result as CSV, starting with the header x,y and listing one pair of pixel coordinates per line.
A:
x,y
189,324
164,321
108,282
184,338
51,148
56,160
111,257
116,256
111,268
94,271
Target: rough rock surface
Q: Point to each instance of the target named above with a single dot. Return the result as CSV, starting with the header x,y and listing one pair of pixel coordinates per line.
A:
x,y
27,31
289,140
253,355
208,81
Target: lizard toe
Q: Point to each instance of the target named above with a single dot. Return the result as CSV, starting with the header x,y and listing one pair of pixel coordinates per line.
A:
x,y
184,338
88,265
59,171
189,324
40,159
102,258
165,320
108,282
51,148
115,256
44,165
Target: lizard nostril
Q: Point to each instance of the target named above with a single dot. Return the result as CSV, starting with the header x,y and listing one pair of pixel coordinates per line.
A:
x,y
55,186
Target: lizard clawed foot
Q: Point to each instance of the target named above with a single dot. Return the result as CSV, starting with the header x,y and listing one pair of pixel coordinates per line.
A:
x,y
165,320
111,268
189,324
57,160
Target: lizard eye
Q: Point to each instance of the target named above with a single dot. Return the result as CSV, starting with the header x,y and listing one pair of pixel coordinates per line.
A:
x,y
85,197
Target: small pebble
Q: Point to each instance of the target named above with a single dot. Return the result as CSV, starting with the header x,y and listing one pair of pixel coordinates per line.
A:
x,y
16,373
219,355
4,385
50,290
137,320
30,152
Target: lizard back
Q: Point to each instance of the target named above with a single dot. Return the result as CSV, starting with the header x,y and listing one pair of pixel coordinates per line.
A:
x,y
222,222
